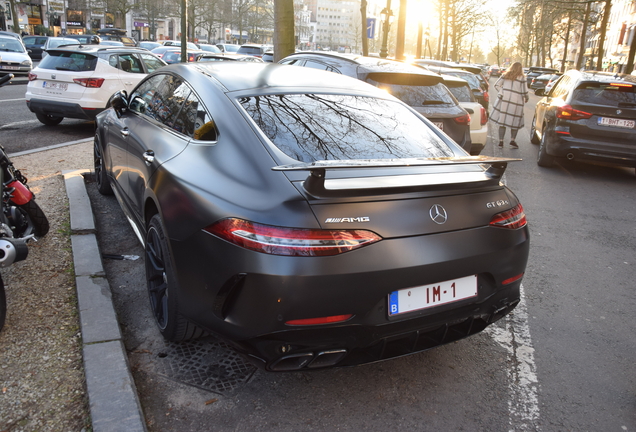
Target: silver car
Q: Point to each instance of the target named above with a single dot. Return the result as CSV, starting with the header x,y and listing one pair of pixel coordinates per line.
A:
x,y
14,57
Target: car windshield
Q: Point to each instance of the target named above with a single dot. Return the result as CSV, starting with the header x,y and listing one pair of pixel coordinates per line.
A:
x,y
612,94
418,96
311,127
11,45
472,79
68,61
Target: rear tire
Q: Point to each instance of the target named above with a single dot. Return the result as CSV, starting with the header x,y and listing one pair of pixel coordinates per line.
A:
x,y
534,139
49,120
103,184
39,220
544,159
163,287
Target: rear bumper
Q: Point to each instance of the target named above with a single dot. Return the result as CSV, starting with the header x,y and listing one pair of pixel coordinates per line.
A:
x,y
616,153
62,109
247,297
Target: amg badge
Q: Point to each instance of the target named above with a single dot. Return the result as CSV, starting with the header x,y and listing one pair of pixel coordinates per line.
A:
x,y
349,219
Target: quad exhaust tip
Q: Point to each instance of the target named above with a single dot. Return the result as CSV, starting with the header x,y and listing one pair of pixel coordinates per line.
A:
x,y
308,360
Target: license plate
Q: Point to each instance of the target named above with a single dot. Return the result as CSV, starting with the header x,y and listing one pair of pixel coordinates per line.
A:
x,y
12,67
55,85
621,123
422,297
439,125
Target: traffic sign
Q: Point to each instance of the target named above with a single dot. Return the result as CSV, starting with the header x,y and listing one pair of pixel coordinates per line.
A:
x,y
371,28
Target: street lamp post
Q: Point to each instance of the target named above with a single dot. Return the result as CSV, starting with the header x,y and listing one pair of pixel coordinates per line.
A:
x,y
386,15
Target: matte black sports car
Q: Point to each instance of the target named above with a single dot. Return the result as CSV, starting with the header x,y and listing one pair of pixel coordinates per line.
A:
x,y
310,219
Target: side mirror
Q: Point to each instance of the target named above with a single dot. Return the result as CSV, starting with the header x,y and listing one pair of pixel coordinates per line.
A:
x,y
539,92
119,102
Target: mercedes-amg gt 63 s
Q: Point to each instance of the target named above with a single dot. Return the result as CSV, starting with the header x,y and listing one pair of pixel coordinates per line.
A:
x,y
309,219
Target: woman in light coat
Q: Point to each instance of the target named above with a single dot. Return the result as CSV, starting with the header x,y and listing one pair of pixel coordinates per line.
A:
x,y
507,110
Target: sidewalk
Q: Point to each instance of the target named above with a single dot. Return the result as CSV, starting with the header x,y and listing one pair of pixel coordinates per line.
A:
x,y
112,396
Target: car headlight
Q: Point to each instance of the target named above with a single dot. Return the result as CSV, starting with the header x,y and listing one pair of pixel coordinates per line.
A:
x,y
26,63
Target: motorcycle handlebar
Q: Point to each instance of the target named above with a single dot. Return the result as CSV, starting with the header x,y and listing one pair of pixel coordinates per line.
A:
x,y
5,79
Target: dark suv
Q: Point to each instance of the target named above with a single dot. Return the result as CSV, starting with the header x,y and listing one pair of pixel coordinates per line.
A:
x,y
422,90
535,71
587,115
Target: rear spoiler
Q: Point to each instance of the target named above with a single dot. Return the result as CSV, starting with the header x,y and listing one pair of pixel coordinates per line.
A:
x,y
315,182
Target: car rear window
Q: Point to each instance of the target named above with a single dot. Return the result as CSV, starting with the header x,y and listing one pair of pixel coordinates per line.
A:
x,y
68,61
249,50
311,127
419,96
613,94
461,93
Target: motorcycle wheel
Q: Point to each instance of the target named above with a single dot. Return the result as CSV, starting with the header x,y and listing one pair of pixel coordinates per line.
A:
x,y
3,304
38,218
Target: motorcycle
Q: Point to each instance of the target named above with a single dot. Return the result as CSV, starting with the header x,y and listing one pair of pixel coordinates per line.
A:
x,y
21,218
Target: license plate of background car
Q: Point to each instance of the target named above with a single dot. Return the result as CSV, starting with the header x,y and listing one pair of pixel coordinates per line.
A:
x,y
440,125
55,85
621,123
426,296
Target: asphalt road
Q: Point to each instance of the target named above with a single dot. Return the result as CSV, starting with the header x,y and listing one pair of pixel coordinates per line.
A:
x,y
564,361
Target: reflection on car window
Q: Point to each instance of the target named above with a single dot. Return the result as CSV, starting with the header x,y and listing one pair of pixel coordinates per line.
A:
x,y
310,127
462,94
141,99
418,96
152,63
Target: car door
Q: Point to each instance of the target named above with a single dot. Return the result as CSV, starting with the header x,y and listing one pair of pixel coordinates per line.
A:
x,y
130,69
157,130
553,99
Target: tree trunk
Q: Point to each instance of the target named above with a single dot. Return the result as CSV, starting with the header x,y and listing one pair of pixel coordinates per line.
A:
x,y
606,13
363,16
579,60
401,31
283,29
567,39
184,30
632,52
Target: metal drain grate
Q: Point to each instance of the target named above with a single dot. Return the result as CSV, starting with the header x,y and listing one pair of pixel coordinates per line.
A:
x,y
205,363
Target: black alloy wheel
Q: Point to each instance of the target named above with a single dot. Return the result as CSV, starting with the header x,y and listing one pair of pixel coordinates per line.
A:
x,y
49,120
163,287
534,139
103,185
543,158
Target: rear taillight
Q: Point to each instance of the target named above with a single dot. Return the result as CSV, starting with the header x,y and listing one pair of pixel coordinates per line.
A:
x,y
290,241
486,96
89,82
32,76
484,116
568,113
465,119
513,218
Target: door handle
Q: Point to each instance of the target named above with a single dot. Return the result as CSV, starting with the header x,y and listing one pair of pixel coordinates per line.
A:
x,y
124,132
149,157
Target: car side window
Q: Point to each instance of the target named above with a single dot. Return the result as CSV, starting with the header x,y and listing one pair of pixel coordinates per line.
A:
x,y
152,63
560,90
141,101
130,63
316,65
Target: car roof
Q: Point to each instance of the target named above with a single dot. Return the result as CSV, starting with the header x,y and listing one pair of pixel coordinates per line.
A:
x,y
453,81
371,64
237,76
99,48
601,76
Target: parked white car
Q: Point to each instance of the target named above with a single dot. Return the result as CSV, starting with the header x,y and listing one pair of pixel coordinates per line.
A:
x,y
14,58
478,115
77,82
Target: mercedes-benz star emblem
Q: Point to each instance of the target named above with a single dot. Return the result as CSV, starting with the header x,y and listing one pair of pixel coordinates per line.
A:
x,y
438,214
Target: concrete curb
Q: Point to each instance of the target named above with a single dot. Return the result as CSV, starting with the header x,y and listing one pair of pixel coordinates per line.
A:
x,y
112,395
